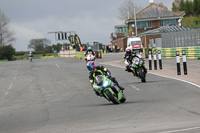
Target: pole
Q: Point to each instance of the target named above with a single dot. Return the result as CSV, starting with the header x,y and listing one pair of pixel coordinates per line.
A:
x,y
150,65
160,59
178,63
135,23
184,62
155,60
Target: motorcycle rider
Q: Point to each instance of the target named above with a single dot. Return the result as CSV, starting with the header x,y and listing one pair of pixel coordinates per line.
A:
x,y
134,54
128,58
129,55
88,52
30,55
99,70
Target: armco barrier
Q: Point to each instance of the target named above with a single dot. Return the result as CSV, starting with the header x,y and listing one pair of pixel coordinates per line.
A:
x,y
191,52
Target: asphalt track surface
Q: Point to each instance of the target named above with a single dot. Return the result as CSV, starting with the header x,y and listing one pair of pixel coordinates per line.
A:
x,y
55,96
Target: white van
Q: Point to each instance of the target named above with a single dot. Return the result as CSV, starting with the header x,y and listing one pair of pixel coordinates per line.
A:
x,y
135,43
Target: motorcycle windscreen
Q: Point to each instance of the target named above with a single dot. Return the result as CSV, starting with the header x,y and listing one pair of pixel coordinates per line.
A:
x,y
98,80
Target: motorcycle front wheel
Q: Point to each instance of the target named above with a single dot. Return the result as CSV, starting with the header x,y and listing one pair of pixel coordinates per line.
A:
x,y
142,76
111,97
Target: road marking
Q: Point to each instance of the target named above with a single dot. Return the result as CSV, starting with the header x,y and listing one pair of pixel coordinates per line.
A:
x,y
57,65
180,130
177,79
162,76
134,87
10,86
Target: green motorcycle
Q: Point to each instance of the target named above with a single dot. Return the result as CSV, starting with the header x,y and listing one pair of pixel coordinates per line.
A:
x,y
106,88
139,68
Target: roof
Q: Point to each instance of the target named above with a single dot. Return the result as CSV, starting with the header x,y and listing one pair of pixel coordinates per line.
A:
x,y
121,26
154,11
164,29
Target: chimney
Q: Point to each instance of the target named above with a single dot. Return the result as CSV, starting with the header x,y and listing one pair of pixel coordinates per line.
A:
x,y
151,1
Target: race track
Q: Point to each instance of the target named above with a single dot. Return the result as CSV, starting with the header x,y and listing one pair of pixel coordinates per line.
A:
x,y
55,96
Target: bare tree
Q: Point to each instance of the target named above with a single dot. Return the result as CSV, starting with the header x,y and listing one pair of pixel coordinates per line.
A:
x,y
6,36
162,5
176,5
39,44
126,10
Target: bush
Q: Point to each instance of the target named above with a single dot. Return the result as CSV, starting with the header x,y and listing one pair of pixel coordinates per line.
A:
x,y
7,52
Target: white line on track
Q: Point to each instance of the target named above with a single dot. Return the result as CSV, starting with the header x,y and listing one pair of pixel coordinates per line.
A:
x,y
177,79
180,130
162,76
10,86
134,87
57,65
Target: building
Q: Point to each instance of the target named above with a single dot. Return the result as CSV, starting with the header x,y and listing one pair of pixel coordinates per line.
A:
x,y
150,18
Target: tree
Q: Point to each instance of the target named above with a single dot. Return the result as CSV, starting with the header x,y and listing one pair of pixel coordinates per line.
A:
x,y
38,45
7,52
182,6
56,47
188,8
161,5
196,9
126,10
6,36
175,5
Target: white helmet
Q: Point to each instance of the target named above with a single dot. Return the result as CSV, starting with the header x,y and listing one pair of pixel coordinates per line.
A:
x,y
30,52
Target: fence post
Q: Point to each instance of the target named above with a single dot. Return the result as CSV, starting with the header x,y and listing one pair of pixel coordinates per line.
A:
x,y
184,62
160,59
178,63
150,65
155,60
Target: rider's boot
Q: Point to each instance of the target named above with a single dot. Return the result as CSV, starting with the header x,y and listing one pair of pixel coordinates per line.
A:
x,y
134,72
97,93
120,87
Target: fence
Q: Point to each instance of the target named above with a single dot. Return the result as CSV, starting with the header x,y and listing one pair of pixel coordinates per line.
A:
x,y
191,52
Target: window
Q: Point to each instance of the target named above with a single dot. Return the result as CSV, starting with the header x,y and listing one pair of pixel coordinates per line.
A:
x,y
125,29
170,22
161,23
119,30
149,24
141,25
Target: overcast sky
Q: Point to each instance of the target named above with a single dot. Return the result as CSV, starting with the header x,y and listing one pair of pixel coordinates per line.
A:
x,y
90,19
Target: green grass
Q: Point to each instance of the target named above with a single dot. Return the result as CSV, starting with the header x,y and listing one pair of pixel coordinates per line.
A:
x,y
191,20
35,56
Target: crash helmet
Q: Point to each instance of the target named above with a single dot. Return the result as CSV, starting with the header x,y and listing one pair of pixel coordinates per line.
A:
x,y
30,52
128,51
90,65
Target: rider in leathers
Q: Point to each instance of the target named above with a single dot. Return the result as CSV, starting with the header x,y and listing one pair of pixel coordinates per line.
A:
x,y
89,51
99,70
129,55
